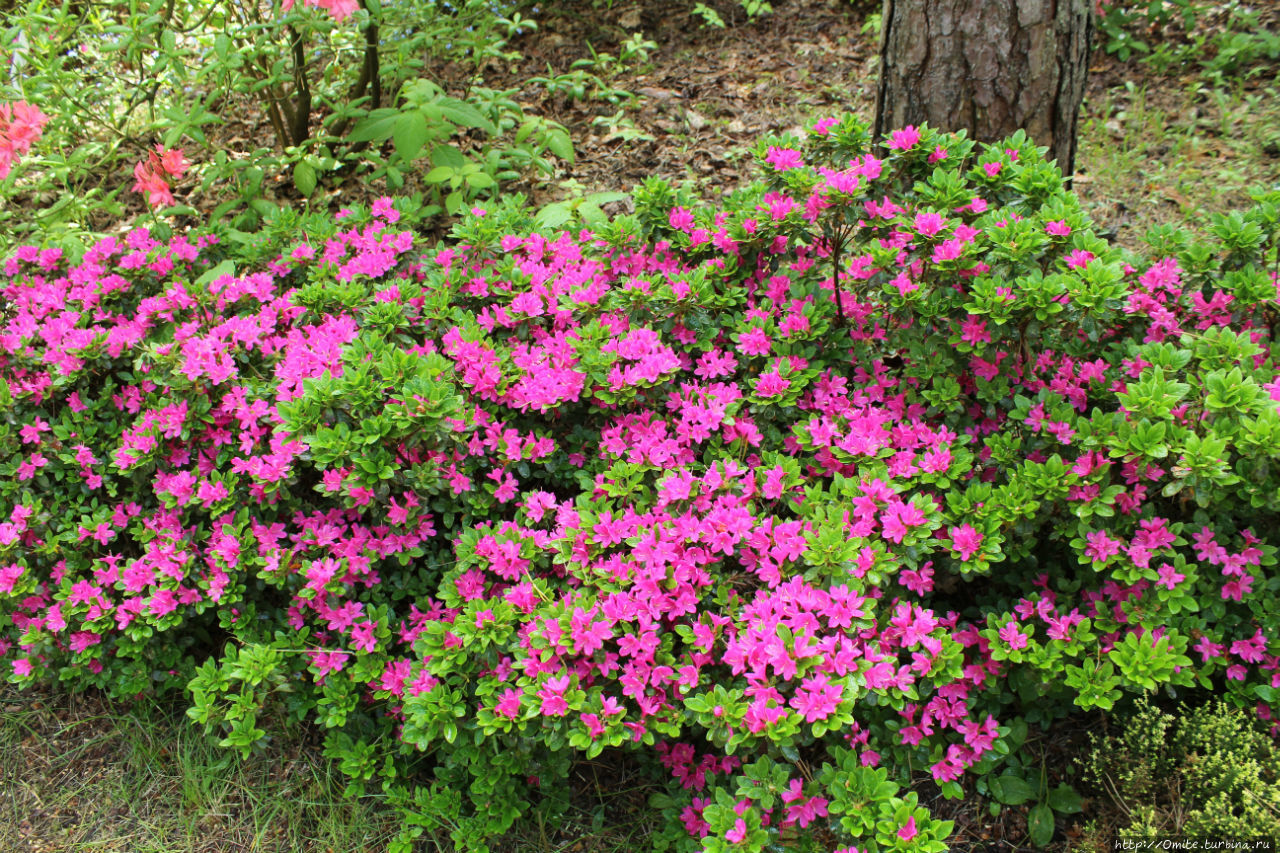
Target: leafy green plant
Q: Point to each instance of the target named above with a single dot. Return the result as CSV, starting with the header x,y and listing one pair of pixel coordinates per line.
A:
x,y
1241,47
620,126
582,85
1011,777
710,17
426,121
579,204
1120,21
754,9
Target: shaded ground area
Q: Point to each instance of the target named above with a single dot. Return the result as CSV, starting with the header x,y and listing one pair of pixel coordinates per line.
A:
x,y
705,95
1153,147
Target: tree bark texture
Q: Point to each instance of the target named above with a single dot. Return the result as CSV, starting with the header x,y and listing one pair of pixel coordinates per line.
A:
x,y
987,66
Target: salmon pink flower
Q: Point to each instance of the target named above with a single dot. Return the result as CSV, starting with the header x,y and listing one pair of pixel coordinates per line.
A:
x,y
20,126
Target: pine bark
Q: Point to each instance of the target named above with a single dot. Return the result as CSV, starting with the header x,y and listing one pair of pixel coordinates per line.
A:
x,y
987,66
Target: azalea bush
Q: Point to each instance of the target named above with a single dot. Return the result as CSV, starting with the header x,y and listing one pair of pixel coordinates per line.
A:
x,y
855,479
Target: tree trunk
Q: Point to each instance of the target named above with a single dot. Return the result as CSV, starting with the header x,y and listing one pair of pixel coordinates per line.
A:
x,y
987,66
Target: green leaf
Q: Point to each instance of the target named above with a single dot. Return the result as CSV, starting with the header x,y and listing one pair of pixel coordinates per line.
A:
x,y
554,215
560,144
227,267
465,114
525,130
661,801
375,127
606,197
411,132
1011,790
448,155
439,175
1040,824
1065,800
453,202
592,215
304,177
480,181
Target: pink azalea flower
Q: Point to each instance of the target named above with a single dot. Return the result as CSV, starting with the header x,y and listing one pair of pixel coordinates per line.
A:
x,y
509,705
783,159
680,219
771,384
172,161
20,126
1170,577
754,341
927,224
905,139
1012,636
966,541
552,696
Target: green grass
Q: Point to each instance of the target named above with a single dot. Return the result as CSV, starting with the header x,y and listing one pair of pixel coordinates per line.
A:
x,y
78,773
82,774
1176,151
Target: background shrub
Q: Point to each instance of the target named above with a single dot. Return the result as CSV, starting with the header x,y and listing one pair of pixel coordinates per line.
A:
x,y
1206,772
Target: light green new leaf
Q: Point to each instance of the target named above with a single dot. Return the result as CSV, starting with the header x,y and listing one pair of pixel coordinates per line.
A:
x,y
410,133
554,215
465,114
227,267
439,175
304,177
375,127
560,144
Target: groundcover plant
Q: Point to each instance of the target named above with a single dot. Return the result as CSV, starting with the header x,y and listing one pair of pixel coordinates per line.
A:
x,y
798,500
